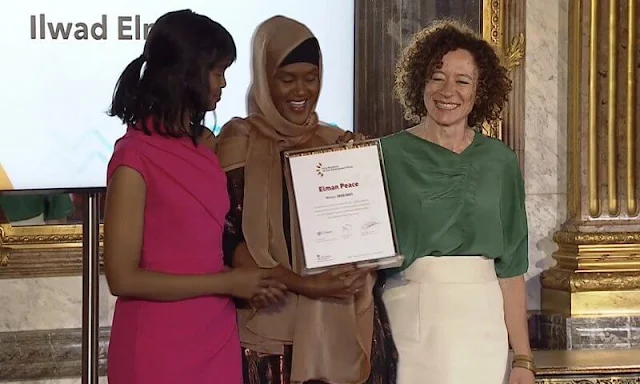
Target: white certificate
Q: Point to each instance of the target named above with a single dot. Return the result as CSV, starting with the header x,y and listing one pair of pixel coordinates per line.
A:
x,y
341,200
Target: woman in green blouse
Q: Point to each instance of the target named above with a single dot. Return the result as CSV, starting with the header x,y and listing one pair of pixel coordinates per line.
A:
x,y
458,204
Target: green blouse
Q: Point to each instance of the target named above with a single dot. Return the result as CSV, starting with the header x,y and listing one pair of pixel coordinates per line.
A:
x,y
447,204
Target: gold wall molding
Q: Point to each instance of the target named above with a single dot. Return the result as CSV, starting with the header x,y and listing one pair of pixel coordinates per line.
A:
x,y
567,281
503,24
598,256
591,303
493,21
515,52
29,263
507,31
41,237
631,163
595,274
596,238
37,236
595,379
602,118
41,251
511,59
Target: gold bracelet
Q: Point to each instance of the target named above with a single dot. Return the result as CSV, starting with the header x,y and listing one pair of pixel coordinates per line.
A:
x,y
523,357
524,364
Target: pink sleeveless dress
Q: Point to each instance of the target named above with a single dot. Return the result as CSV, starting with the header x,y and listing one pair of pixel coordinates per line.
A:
x,y
188,341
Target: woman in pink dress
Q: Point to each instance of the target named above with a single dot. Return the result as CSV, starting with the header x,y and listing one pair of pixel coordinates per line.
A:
x,y
166,202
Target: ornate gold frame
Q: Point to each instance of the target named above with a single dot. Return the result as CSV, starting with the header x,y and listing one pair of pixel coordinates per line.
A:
x,y
40,236
493,30
495,16
51,242
46,250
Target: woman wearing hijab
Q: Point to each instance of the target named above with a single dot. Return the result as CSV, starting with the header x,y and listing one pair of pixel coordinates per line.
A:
x,y
332,327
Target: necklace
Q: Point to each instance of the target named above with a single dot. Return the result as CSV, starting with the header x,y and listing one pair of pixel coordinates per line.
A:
x,y
464,142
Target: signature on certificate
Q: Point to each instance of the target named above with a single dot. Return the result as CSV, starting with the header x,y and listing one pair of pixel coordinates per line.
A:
x,y
370,224
369,227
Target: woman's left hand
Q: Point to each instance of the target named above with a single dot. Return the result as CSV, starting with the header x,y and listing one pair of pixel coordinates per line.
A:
x,y
272,297
521,376
349,136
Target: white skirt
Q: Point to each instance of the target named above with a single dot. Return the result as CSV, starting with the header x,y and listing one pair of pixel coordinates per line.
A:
x,y
447,320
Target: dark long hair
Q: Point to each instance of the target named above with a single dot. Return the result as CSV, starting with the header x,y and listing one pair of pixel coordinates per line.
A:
x,y
169,81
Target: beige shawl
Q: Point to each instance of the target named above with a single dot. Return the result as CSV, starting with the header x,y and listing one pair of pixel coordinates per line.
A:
x,y
331,339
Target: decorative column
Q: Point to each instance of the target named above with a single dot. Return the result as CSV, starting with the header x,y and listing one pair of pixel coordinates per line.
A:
x,y
591,297
503,25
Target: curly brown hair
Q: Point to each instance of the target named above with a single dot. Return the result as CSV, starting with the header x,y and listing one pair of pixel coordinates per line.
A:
x,y
424,55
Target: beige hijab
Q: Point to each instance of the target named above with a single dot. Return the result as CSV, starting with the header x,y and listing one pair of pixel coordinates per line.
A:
x,y
331,339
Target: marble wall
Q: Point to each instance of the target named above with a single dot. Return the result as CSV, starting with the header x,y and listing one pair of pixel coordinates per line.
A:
x,y
545,132
48,303
40,323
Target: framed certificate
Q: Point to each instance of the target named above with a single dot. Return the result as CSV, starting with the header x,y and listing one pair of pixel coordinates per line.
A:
x,y
343,207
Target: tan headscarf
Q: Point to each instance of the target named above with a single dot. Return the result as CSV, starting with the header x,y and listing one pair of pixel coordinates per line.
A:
x,y
332,339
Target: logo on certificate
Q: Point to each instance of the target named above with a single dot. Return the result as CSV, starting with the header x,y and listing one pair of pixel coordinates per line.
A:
x,y
322,169
323,258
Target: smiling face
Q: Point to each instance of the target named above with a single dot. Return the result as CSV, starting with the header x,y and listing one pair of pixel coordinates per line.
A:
x,y
294,90
450,92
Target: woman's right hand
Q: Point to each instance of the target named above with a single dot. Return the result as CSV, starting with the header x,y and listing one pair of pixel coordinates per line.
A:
x,y
338,283
247,283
